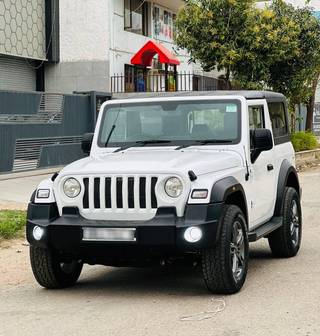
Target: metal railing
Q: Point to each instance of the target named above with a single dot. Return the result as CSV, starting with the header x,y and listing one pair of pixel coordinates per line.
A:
x,y
164,82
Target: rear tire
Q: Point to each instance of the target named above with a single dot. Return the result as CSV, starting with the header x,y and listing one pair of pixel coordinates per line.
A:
x,y
50,272
285,242
225,265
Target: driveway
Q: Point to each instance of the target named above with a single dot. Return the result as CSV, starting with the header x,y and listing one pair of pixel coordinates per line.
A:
x,y
280,297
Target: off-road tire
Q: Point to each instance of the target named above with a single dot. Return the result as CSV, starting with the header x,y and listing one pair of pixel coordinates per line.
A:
x,y
48,271
280,241
216,262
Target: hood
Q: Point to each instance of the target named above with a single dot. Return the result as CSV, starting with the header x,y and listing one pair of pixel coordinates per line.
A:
x,y
156,161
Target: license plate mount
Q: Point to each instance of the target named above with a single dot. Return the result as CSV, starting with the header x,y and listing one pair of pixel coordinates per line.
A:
x,y
109,234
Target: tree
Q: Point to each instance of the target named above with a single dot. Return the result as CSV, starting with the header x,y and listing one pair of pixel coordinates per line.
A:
x,y
277,47
297,77
212,31
234,36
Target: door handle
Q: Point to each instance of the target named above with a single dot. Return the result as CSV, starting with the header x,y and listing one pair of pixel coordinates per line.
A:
x,y
270,167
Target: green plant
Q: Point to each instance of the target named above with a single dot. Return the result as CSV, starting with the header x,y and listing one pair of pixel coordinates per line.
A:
x,y
276,47
11,223
303,141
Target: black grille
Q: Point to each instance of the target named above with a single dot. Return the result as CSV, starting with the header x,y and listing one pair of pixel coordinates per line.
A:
x,y
119,193
142,192
86,193
131,192
108,192
96,193
118,198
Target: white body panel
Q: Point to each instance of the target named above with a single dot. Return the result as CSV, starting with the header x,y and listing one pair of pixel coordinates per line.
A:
x,y
210,163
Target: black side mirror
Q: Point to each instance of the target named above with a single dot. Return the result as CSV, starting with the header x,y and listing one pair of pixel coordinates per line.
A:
x,y
261,140
86,143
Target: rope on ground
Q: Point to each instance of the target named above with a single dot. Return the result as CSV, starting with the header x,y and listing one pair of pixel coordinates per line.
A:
x,y
220,306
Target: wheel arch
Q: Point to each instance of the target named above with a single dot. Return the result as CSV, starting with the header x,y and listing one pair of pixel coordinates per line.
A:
x,y
229,191
288,177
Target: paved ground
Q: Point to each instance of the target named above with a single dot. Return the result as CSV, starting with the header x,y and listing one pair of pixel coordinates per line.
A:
x,y
16,193
280,297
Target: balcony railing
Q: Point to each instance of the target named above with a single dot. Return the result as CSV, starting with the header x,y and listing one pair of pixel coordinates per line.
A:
x,y
162,82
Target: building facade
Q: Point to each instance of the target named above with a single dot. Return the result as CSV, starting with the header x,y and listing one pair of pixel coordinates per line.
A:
x,y
98,39
28,40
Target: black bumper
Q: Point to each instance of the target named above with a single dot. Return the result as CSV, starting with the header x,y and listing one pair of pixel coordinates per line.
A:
x,y
163,234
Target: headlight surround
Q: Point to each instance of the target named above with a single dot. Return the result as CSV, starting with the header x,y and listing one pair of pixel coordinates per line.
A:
x,y
173,187
71,187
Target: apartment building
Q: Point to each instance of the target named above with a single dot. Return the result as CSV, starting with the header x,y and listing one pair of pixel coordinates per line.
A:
x,y
28,41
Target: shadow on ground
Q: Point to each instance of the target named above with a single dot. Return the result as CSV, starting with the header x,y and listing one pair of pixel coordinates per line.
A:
x,y
169,280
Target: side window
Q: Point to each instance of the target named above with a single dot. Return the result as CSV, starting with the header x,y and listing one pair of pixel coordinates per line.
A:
x,y
278,119
256,118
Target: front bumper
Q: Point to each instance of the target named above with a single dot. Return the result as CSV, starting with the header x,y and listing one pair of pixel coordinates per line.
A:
x,y
164,234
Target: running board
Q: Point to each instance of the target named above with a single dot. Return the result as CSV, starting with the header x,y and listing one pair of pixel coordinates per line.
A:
x,y
264,229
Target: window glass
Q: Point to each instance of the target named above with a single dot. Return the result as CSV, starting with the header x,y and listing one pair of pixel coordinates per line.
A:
x,y
163,23
256,118
136,16
278,119
177,122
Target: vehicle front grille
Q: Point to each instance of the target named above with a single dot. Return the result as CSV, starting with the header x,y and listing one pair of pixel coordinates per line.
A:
x,y
120,192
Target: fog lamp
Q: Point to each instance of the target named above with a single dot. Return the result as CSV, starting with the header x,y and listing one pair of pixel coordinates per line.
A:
x,y
38,233
192,234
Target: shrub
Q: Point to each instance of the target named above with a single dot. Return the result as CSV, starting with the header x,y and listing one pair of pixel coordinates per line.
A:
x,y
11,223
303,141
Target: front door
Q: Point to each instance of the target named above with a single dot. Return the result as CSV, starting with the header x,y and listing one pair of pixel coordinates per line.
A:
x,y
262,179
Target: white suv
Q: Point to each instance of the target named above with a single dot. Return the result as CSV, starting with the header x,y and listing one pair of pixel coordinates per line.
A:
x,y
192,176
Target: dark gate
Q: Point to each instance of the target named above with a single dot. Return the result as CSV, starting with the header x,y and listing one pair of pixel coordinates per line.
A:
x,y
39,130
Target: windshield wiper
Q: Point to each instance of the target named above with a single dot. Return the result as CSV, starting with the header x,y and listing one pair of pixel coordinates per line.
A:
x,y
109,135
150,142
214,141
142,143
205,142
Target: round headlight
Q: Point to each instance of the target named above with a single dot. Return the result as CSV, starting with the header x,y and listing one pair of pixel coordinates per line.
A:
x,y
71,187
173,187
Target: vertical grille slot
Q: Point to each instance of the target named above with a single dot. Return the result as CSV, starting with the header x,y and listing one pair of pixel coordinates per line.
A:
x,y
86,193
154,203
119,193
96,190
108,192
131,192
142,192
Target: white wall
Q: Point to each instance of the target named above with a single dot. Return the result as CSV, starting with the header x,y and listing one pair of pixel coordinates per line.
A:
x,y
301,3
84,30
125,44
315,4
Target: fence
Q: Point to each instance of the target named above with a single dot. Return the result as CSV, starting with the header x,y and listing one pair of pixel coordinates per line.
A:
x,y
164,82
39,130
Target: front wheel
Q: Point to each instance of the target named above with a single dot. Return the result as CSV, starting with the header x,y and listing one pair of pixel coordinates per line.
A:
x,y
225,265
50,271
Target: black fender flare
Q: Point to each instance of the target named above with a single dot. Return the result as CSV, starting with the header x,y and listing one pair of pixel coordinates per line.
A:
x,y
225,187
286,169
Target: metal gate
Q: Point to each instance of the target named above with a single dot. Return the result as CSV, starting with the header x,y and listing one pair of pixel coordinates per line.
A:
x,y
39,130
17,74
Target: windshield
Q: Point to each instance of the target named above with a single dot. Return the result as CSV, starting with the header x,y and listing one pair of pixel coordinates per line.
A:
x,y
170,123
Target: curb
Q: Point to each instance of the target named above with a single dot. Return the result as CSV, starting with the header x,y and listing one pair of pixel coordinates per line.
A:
x,y
30,173
307,156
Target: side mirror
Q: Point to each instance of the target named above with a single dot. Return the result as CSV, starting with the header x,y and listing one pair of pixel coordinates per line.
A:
x,y
86,143
261,141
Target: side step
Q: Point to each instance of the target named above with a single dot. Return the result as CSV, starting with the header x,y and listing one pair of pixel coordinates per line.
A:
x,y
265,229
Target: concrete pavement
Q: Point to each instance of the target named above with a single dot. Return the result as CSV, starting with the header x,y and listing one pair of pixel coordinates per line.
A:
x,y
15,193
280,297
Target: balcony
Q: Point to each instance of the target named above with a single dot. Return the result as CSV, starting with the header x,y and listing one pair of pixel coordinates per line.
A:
x,y
164,82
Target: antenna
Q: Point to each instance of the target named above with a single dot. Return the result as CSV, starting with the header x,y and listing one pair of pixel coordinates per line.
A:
x,y
247,166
